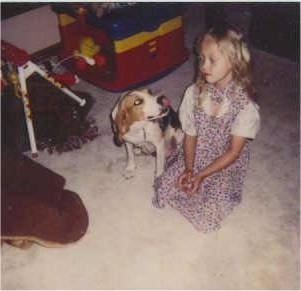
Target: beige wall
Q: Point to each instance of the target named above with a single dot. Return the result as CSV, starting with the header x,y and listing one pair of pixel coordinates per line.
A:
x,y
32,31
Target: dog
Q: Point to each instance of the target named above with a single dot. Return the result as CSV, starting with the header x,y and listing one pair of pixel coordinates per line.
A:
x,y
143,120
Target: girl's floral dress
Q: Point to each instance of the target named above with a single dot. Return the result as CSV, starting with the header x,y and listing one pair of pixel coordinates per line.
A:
x,y
213,117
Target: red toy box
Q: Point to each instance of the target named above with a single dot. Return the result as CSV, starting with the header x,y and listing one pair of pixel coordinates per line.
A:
x,y
125,48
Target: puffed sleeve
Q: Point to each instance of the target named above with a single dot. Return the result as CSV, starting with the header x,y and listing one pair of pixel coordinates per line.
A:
x,y
247,122
186,111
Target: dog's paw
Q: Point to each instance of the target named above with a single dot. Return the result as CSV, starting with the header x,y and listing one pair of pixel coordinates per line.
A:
x,y
129,172
158,174
137,151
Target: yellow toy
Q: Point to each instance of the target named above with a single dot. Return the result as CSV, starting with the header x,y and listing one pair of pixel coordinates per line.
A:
x,y
88,53
13,77
88,47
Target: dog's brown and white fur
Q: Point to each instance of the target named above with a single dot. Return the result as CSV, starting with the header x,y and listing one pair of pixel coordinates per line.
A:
x,y
141,119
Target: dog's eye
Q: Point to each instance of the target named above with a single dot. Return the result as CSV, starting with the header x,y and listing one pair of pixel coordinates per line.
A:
x,y
138,101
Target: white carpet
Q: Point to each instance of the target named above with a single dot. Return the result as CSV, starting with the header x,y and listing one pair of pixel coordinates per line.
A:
x,y
131,245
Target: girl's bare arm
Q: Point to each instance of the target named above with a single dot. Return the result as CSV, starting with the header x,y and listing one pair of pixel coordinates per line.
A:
x,y
227,158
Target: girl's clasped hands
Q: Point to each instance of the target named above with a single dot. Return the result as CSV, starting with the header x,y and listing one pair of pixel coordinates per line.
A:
x,y
188,182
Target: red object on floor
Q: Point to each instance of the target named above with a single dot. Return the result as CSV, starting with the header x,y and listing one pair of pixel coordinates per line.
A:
x,y
34,205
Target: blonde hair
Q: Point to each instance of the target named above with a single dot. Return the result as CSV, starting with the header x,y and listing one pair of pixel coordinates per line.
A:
x,y
235,47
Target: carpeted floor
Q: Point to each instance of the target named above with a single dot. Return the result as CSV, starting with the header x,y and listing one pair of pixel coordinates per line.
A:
x,y
131,245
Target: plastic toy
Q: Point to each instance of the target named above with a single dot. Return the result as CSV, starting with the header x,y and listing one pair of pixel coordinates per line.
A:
x,y
65,78
13,78
138,44
19,59
88,54
88,47
3,82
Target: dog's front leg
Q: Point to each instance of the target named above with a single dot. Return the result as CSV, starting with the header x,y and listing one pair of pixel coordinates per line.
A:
x,y
160,159
131,165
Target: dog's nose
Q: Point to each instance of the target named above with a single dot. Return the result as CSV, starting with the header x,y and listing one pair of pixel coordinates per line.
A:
x,y
162,100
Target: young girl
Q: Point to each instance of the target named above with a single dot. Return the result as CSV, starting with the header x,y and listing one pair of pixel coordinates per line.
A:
x,y
204,177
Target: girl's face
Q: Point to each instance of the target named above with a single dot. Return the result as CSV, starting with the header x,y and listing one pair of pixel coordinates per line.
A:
x,y
214,64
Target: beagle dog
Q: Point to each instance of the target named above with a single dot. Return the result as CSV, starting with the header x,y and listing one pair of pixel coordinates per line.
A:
x,y
147,122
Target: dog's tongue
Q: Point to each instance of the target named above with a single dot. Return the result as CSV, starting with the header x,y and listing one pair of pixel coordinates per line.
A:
x,y
165,102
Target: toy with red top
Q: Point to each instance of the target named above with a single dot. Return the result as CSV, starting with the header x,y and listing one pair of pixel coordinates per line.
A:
x,y
123,48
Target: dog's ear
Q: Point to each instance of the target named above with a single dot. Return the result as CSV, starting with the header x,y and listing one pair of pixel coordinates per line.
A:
x,y
122,123
146,90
